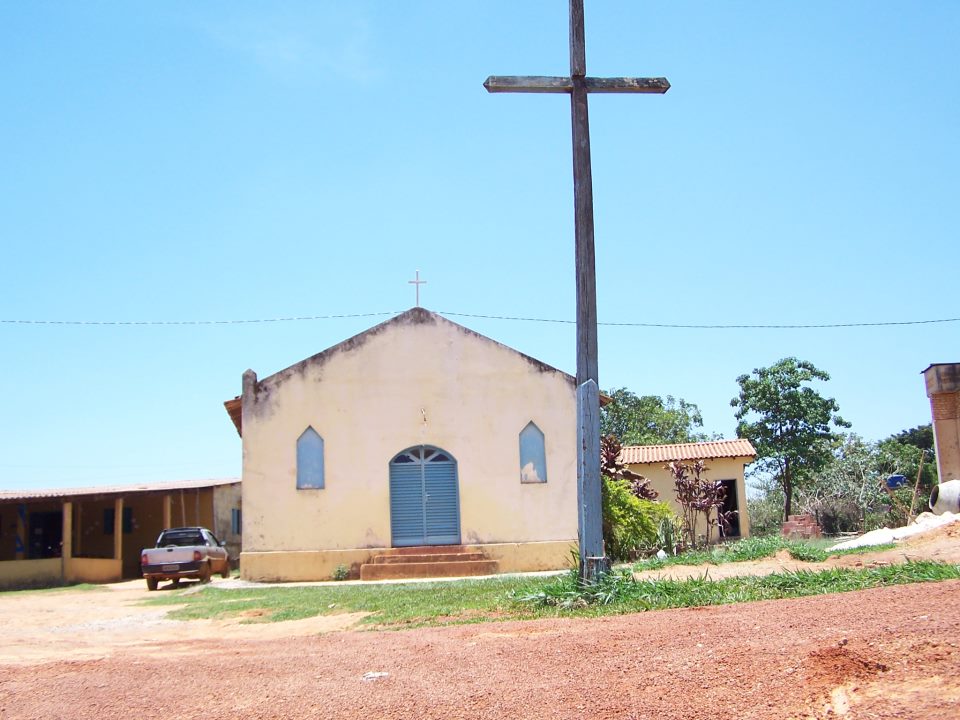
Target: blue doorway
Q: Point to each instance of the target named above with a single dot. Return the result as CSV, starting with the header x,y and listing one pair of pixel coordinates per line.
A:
x,y
424,498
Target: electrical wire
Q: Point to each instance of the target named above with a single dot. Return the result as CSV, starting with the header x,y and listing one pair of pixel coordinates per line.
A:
x,y
715,327
302,318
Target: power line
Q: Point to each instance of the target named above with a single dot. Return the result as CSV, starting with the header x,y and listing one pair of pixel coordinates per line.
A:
x,y
303,318
715,327
192,322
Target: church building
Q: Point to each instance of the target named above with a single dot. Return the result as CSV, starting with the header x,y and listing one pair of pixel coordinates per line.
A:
x,y
418,447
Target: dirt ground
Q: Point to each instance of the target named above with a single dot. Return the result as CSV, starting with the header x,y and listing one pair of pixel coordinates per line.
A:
x,y
885,653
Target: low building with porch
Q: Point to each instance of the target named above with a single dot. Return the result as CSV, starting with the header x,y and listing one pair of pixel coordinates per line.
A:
x,y
51,537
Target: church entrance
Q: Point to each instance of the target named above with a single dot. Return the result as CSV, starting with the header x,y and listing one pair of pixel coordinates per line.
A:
x,y
424,498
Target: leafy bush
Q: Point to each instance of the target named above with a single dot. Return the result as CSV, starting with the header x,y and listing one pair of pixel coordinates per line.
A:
x,y
670,535
698,497
807,553
751,548
630,525
838,515
341,572
766,513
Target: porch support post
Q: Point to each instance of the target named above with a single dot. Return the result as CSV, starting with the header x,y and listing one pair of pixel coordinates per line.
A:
x,y
67,547
20,548
167,512
78,549
118,529
66,542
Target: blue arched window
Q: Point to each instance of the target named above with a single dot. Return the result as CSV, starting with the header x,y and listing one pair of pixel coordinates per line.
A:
x,y
533,455
309,460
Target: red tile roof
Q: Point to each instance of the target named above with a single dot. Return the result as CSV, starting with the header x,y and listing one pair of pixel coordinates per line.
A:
x,y
640,454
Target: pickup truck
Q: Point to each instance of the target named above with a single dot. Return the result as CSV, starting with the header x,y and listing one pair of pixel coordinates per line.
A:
x,y
186,552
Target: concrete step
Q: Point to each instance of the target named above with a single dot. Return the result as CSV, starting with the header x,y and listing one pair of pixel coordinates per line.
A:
x,y
427,558
423,550
400,571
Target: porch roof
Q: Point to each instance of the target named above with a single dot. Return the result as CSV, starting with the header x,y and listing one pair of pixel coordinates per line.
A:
x,y
10,496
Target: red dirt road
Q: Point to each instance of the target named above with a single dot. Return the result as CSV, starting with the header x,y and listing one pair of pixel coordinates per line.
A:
x,y
886,653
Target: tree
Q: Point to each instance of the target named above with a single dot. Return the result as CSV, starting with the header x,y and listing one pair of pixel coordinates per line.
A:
x,y
921,437
849,487
788,422
650,419
850,493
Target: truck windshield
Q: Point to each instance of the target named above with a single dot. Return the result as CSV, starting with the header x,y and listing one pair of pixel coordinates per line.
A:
x,y
182,539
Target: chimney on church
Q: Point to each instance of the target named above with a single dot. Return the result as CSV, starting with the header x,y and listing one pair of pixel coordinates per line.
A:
x,y
943,389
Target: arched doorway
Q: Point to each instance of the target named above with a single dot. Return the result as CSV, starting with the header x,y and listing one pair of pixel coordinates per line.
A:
x,y
424,498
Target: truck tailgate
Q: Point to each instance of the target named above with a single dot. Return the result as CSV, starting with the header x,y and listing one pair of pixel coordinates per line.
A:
x,y
171,555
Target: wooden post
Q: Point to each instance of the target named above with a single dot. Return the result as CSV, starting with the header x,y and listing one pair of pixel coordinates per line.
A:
x,y
66,543
167,512
916,487
587,366
593,562
67,546
118,529
20,541
78,546
590,512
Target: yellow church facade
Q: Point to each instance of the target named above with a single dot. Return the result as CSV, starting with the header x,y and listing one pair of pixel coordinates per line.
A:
x,y
415,433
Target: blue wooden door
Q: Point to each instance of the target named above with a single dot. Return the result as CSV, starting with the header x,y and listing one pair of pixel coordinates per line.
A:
x,y
424,498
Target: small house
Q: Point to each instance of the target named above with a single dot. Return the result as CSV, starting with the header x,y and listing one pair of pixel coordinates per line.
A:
x,y
725,461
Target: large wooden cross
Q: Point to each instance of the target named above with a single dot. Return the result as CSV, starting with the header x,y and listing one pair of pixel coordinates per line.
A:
x,y
578,86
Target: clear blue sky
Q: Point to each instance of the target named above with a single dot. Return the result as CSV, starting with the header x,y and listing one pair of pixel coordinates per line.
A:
x,y
240,160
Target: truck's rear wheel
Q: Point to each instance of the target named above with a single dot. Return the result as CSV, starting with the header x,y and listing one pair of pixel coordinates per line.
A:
x,y
225,573
152,583
205,573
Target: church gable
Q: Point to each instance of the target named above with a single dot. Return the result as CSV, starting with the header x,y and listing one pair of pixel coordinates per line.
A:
x,y
410,319
261,391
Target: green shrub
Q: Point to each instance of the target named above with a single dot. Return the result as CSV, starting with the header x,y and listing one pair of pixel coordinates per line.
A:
x,y
341,572
807,553
630,525
766,514
751,548
838,515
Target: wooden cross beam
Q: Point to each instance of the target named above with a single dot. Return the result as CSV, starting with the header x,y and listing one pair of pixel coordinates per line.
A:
x,y
549,84
592,559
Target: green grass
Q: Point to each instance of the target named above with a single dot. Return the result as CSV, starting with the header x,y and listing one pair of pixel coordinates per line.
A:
x,y
398,605
512,598
619,592
756,548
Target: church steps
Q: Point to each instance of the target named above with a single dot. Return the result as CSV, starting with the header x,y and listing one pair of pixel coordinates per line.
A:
x,y
427,562
428,558
422,550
